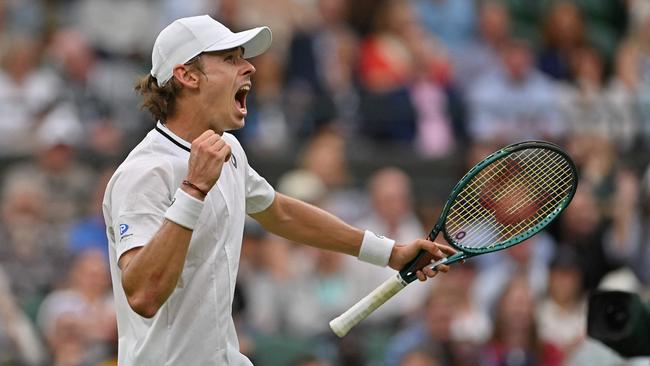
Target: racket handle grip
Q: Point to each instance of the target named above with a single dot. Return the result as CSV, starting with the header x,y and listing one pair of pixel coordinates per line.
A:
x,y
359,311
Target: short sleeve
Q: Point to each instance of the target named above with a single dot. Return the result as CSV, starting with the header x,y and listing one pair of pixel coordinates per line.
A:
x,y
259,193
139,198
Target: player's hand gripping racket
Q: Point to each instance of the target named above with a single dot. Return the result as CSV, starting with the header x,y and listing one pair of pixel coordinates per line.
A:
x,y
505,199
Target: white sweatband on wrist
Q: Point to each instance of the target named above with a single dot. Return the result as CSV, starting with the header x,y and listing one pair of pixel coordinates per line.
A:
x,y
185,210
375,249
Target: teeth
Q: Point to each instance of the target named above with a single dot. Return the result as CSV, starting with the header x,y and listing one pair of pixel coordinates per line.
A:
x,y
245,88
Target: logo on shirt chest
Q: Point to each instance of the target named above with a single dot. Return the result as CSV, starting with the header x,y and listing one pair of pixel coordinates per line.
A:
x,y
233,160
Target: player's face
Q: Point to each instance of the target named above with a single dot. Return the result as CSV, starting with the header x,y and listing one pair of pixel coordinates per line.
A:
x,y
225,85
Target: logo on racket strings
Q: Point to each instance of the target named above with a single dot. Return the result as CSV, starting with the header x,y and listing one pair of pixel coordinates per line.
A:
x,y
460,235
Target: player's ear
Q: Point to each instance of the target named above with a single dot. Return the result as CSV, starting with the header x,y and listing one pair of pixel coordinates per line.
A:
x,y
188,77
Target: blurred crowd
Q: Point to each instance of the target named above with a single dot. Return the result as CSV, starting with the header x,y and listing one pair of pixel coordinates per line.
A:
x,y
431,86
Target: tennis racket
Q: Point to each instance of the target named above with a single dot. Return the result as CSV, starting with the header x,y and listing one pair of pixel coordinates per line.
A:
x,y
505,199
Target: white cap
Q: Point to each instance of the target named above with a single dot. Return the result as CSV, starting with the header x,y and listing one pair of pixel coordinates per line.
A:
x,y
188,37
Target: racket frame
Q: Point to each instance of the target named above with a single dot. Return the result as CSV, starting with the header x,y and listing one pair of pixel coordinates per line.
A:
x,y
423,258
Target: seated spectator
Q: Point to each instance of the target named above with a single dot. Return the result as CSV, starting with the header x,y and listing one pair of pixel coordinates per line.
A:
x,y
587,106
632,79
562,314
28,93
431,329
581,226
563,33
623,96
19,342
320,85
320,293
31,252
325,155
528,261
516,339
626,240
392,214
82,311
385,70
296,291
270,290
67,181
641,57
96,87
480,56
431,93
472,326
515,103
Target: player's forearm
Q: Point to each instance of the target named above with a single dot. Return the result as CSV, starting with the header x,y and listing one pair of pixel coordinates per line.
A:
x,y
307,224
152,273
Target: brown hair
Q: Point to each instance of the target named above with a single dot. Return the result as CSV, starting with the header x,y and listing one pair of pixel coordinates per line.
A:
x,y
160,101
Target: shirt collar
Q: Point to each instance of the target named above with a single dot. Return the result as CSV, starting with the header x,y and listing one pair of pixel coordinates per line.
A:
x,y
169,135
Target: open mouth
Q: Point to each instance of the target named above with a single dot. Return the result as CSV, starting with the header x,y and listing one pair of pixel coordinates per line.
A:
x,y
240,98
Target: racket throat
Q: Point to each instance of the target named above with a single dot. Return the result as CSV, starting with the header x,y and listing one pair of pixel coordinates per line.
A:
x,y
408,273
459,256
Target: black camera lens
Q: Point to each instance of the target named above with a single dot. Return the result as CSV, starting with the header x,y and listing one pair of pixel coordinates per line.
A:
x,y
616,314
621,321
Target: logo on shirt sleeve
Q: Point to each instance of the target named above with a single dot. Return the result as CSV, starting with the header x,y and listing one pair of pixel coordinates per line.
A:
x,y
124,228
233,160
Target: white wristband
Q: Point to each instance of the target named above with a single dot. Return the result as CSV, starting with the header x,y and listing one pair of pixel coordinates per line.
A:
x,y
185,210
375,249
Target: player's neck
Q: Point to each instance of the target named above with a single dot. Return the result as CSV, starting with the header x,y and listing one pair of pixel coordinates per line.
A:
x,y
188,123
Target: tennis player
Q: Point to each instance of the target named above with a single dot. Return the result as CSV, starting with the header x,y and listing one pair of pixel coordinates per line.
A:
x,y
175,208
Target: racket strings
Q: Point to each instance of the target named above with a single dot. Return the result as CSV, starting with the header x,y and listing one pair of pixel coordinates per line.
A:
x,y
531,175
514,186
538,182
487,231
548,182
504,192
554,196
496,192
517,186
525,169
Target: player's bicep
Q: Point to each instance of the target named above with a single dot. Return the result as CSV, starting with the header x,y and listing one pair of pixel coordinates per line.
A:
x,y
270,214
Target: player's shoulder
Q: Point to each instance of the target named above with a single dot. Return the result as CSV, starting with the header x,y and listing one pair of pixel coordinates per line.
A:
x,y
144,168
235,146
144,159
232,141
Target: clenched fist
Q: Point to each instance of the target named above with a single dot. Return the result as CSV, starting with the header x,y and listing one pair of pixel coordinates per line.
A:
x,y
209,152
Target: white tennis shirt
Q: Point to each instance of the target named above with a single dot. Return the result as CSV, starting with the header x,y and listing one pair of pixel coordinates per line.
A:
x,y
195,325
